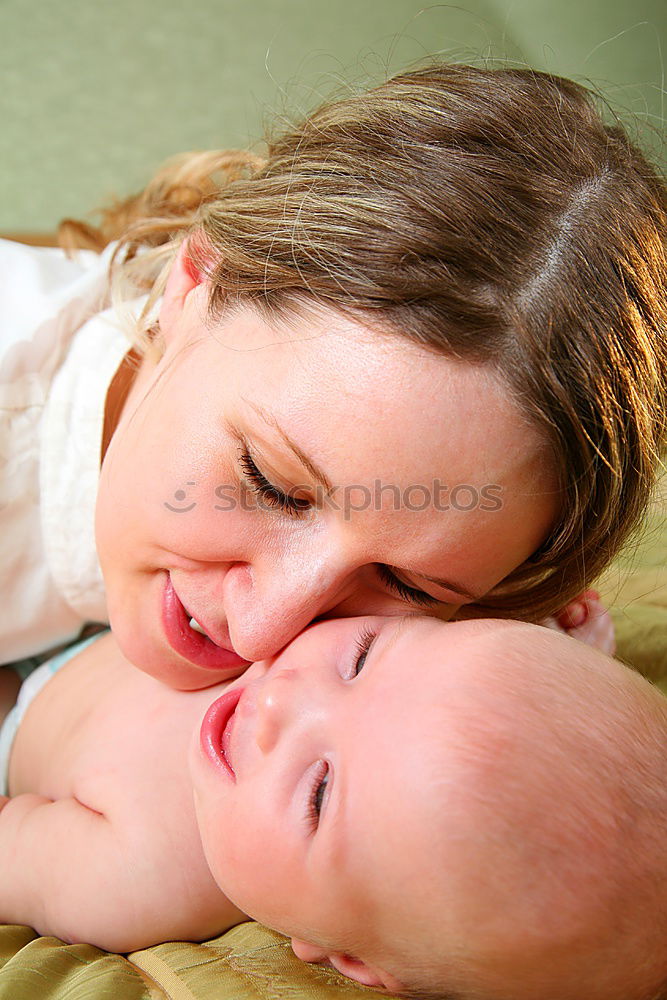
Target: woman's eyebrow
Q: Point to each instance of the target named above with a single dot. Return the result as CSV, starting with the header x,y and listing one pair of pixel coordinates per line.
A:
x,y
318,475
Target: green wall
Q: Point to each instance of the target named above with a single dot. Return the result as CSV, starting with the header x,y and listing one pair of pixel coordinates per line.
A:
x,y
94,94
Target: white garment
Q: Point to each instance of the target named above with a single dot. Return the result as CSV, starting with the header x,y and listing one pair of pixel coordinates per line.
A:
x,y
58,356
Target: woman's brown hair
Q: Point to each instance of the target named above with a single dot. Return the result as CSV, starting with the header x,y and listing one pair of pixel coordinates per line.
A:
x,y
490,215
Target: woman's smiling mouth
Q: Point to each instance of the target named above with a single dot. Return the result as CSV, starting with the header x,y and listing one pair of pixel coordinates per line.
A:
x,y
188,638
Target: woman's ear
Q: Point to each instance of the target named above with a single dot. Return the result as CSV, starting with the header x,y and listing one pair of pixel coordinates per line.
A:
x,y
353,968
183,277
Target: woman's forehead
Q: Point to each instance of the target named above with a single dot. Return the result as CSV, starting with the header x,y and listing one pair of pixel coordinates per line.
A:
x,y
423,452
351,395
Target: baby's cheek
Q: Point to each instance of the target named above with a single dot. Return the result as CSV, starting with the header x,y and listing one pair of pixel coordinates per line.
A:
x,y
207,825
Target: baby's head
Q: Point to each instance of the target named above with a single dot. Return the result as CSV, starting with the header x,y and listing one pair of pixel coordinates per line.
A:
x,y
470,810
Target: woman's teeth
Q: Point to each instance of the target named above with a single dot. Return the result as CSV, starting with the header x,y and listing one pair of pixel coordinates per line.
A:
x,y
196,627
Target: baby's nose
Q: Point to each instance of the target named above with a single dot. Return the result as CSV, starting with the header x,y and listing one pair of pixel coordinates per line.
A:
x,y
276,705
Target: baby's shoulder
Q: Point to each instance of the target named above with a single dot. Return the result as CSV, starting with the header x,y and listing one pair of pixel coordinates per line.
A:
x,y
106,733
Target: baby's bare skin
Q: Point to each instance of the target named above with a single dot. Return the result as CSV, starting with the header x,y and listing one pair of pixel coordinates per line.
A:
x,y
78,836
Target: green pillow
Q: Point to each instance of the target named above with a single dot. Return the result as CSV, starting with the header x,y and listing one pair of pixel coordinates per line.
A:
x,y
247,963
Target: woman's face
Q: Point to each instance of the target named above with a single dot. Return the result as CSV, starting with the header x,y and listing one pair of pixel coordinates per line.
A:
x,y
262,476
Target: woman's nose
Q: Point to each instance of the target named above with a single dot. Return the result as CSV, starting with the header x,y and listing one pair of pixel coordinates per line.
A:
x,y
276,704
265,616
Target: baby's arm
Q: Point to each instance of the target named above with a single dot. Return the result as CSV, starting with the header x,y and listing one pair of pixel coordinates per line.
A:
x,y
69,871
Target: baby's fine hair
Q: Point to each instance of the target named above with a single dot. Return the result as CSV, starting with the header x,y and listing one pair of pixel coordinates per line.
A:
x,y
490,215
562,756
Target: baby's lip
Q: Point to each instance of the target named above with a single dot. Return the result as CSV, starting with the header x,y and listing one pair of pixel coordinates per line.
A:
x,y
216,729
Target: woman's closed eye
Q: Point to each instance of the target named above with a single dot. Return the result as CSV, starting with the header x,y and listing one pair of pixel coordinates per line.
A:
x,y
404,591
269,494
297,506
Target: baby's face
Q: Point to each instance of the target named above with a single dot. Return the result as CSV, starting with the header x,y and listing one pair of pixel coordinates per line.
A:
x,y
403,794
314,779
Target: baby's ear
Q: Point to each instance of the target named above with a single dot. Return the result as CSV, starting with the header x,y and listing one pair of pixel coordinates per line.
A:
x,y
308,952
183,277
353,968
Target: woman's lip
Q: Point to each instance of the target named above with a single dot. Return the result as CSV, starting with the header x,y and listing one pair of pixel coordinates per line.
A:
x,y
215,731
194,646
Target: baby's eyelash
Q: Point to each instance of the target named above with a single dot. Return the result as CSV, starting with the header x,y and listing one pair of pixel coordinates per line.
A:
x,y
316,797
362,646
411,594
271,495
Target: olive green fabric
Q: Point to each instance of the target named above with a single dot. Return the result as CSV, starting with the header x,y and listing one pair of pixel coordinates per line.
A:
x,y
247,963
636,591
41,968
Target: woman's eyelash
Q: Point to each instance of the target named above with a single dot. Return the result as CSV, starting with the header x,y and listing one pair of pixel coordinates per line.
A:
x,y
275,498
271,495
362,646
316,797
407,593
